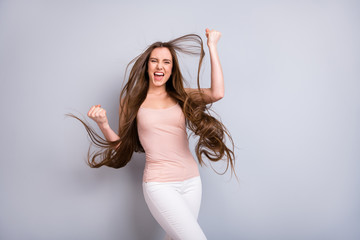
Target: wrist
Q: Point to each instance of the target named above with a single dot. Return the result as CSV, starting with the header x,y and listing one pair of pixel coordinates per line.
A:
x,y
104,125
212,45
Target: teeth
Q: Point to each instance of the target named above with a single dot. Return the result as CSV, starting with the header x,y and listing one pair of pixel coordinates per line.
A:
x,y
159,74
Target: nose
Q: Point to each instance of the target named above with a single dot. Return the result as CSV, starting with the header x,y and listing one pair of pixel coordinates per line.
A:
x,y
159,66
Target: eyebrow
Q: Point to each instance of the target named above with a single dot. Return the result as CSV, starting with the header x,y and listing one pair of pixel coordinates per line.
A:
x,y
163,59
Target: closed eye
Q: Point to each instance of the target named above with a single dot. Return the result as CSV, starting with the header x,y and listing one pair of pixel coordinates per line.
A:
x,y
154,60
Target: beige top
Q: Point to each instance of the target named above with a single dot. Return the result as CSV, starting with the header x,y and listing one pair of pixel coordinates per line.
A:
x,y
162,133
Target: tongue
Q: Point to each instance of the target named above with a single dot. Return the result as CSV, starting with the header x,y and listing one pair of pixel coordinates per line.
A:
x,y
158,78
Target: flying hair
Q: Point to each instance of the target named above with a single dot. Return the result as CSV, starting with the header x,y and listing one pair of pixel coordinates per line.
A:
x,y
211,132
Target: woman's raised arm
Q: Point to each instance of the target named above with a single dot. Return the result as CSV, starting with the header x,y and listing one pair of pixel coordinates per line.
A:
x,y
217,89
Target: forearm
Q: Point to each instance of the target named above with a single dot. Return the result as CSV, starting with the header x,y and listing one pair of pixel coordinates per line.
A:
x,y
108,133
217,78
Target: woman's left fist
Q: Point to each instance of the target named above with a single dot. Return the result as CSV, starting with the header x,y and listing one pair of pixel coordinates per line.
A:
x,y
213,36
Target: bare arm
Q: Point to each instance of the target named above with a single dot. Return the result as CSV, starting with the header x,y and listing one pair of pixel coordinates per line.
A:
x,y
98,114
217,89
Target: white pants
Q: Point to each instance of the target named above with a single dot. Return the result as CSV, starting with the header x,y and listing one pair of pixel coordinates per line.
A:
x,y
175,206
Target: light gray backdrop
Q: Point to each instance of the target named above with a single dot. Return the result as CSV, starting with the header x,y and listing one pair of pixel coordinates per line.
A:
x,y
292,105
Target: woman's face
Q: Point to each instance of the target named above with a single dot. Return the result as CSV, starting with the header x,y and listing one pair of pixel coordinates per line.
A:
x,y
159,67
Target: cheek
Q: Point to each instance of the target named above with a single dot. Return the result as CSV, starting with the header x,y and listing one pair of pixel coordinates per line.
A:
x,y
169,70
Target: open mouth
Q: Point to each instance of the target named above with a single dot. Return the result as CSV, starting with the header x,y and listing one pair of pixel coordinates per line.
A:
x,y
158,75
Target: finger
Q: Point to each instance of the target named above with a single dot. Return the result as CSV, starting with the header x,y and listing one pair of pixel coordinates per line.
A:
x,y
103,113
91,111
97,112
207,32
96,108
100,113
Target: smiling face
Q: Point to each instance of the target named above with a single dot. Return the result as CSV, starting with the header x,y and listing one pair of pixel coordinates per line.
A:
x,y
159,67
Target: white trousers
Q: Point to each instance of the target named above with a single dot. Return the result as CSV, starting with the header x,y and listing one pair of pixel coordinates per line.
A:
x,y
175,206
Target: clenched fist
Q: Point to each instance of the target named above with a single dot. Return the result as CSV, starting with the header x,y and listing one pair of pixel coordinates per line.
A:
x,y
213,37
98,114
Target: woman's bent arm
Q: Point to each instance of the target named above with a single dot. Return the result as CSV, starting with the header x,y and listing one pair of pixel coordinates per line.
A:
x,y
108,133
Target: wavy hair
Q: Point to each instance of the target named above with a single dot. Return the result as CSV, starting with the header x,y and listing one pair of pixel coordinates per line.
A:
x,y
212,134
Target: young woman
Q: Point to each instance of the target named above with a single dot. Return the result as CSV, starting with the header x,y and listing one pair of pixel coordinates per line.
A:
x,y
155,110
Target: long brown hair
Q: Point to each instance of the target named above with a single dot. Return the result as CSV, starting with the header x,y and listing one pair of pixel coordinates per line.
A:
x,y
212,134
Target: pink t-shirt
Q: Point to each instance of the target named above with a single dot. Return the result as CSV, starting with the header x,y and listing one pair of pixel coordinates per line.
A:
x,y
162,133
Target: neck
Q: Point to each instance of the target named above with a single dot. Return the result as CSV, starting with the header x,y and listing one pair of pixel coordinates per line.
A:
x,y
156,90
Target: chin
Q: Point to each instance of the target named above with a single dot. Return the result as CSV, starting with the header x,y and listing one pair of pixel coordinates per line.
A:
x,y
158,83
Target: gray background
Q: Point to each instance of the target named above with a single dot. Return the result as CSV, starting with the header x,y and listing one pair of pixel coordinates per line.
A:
x,y
292,105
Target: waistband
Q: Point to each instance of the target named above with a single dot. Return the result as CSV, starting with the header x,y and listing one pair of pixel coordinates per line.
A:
x,y
184,181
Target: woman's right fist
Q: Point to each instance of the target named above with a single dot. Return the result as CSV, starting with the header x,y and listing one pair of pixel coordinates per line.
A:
x,y
98,114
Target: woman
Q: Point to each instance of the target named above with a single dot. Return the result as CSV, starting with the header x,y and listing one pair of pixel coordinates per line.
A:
x,y
155,110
